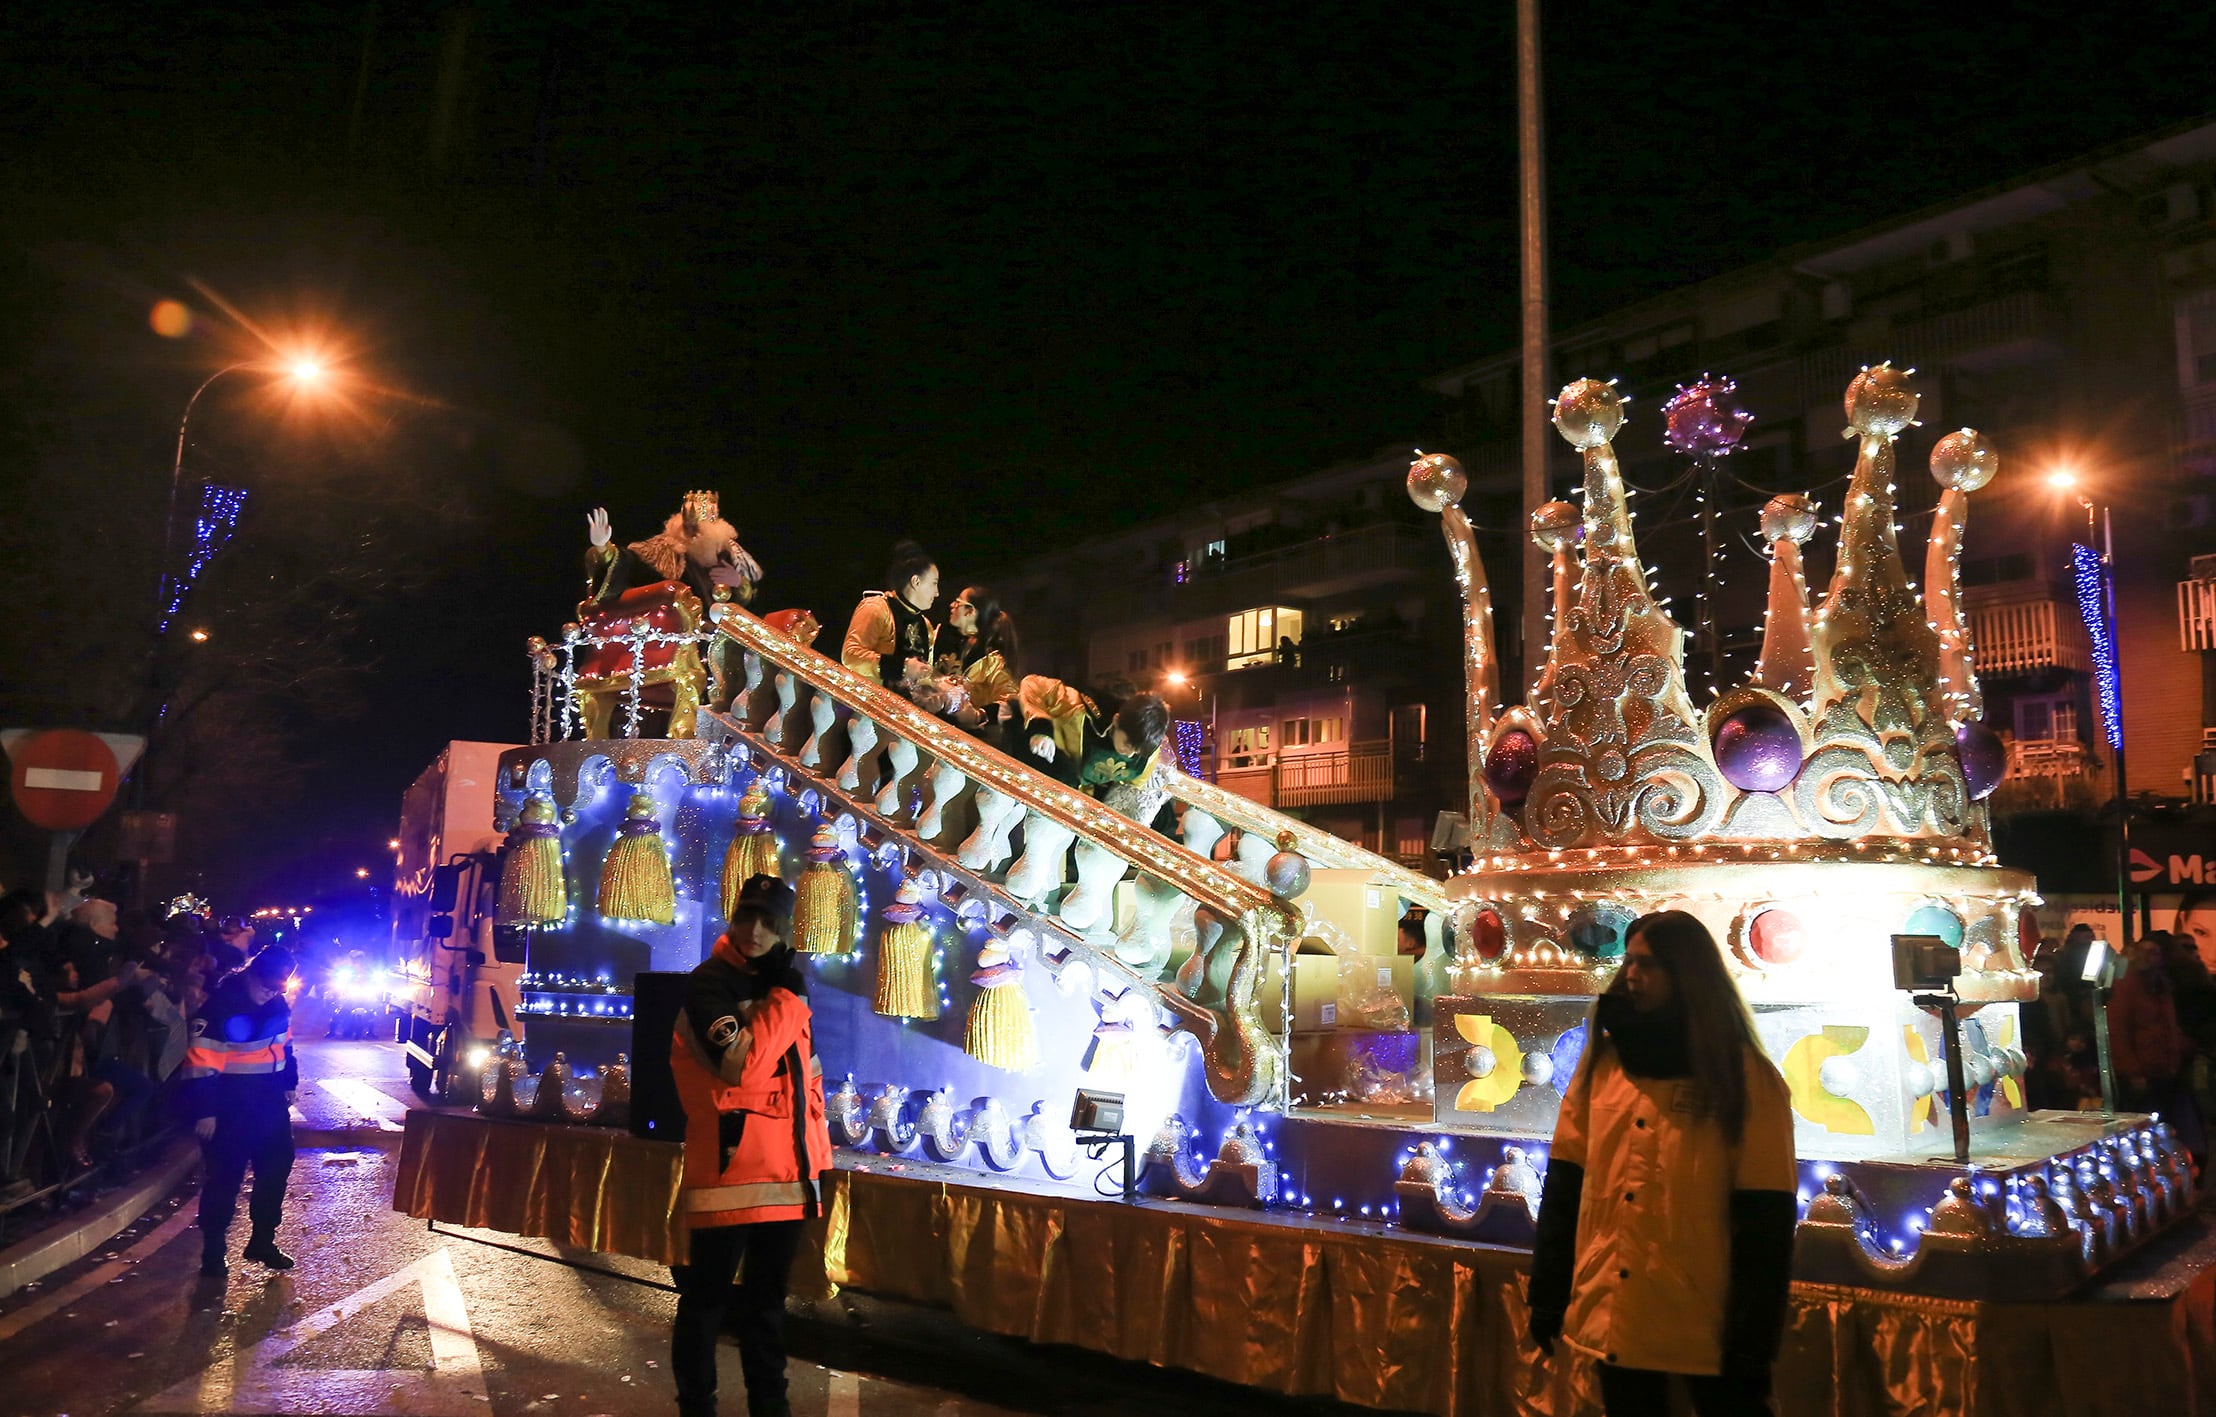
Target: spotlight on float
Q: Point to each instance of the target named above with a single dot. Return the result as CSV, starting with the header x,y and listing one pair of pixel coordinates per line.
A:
x,y
1925,966
1097,1118
2100,970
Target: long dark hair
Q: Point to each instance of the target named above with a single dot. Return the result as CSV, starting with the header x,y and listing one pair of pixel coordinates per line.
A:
x,y
1718,1028
996,628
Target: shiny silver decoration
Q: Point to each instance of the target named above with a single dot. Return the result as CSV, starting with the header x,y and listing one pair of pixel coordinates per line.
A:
x,y
1432,1197
1241,1175
2009,1237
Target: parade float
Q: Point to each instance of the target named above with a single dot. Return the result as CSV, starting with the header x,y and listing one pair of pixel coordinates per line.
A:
x,y
1340,1150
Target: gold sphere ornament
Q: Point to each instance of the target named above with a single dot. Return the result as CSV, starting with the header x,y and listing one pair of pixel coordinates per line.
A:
x,y
1554,526
1436,482
1880,401
1588,412
1964,461
1789,517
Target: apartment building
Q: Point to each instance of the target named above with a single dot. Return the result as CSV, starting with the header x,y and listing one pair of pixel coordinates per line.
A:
x,y
1307,633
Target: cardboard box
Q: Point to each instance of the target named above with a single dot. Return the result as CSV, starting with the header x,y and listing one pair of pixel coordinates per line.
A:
x,y
1366,976
1315,991
1365,907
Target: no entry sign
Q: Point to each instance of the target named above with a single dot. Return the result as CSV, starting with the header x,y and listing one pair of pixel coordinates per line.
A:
x,y
63,779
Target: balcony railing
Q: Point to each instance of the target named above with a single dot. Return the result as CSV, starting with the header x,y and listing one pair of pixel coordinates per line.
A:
x,y
2024,635
2049,757
1359,772
2197,612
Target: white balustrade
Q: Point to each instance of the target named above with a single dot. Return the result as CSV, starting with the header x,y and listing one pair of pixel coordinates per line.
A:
x,y
1046,845
788,691
988,846
900,760
1091,902
823,712
947,784
861,741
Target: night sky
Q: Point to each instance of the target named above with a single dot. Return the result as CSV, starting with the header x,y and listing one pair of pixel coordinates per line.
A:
x,y
997,276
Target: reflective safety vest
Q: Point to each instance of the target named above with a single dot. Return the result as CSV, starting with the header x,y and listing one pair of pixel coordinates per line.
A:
x,y
756,1140
239,1053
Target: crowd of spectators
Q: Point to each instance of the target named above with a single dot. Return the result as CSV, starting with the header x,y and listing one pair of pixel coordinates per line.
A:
x,y
2161,1015
94,1004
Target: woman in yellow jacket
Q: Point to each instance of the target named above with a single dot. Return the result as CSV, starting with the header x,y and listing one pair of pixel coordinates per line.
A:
x,y
1665,1238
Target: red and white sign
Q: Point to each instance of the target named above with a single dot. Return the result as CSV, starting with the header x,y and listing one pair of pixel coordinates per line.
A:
x,y
63,779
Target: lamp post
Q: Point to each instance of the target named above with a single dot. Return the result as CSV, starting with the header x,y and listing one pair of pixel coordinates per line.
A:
x,y
2093,575
304,371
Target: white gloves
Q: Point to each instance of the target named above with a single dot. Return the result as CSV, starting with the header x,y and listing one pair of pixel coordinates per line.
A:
x,y
1043,745
596,526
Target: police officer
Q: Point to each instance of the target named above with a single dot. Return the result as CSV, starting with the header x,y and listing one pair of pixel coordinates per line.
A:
x,y
756,1149
240,1076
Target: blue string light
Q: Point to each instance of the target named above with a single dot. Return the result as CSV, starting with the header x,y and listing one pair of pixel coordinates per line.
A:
x,y
1189,747
2091,579
220,508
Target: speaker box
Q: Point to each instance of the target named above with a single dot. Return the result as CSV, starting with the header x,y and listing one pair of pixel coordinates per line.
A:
x,y
656,1112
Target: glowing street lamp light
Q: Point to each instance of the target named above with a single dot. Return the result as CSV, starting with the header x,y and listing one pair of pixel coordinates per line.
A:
x,y
361,873
2062,479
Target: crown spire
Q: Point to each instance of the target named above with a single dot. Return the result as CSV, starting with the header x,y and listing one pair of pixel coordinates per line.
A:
x,y
1877,707
1787,666
1961,464
1436,483
1616,618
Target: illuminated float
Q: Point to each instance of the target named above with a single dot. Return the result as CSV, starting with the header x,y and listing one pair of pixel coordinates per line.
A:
x,y
983,942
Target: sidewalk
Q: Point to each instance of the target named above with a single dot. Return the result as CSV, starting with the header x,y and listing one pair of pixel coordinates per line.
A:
x,y
352,1095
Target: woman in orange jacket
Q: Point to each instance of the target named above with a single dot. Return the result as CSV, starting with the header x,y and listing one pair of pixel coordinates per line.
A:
x,y
1666,1228
756,1149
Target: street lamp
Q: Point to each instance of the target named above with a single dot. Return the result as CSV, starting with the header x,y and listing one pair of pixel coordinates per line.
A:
x,y
2093,575
304,371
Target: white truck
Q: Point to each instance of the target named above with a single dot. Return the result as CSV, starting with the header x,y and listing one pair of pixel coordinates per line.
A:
x,y
456,983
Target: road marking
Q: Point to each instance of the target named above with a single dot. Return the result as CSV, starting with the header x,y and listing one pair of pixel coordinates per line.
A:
x,y
251,1380
387,1111
160,1235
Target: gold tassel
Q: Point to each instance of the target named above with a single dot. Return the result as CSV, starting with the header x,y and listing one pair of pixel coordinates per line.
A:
x,y
824,907
753,850
533,890
907,986
634,880
1114,1054
1000,1033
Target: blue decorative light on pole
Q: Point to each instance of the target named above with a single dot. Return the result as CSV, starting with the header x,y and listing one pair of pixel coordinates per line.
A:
x,y
2096,597
220,508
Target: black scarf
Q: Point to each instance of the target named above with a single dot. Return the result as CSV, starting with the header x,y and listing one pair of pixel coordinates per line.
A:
x,y
1649,1045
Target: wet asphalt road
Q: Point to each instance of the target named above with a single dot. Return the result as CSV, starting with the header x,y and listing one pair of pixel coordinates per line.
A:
x,y
380,1317
384,1317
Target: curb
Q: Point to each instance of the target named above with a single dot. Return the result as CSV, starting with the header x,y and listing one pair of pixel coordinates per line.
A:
x,y
40,1255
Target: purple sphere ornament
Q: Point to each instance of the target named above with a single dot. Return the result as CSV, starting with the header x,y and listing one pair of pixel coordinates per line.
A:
x,y
1510,765
1703,419
1757,748
1984,758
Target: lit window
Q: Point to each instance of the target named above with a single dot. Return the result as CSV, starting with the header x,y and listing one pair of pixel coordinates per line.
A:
x,y
1253,636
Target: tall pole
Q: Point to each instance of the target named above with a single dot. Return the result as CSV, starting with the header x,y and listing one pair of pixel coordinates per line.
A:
x,y
1531,158
2123,799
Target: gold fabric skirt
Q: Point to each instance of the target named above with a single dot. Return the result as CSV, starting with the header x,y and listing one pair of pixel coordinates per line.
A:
x,y
1381,1317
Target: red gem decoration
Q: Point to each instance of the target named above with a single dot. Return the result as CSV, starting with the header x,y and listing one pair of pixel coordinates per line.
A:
x,y
1778,937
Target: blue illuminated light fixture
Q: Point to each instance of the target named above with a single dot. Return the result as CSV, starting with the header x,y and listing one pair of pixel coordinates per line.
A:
x,y
220,508
2090,577
1189,747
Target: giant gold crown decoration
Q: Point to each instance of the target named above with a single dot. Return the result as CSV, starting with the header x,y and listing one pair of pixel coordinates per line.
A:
x,y
1806,814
